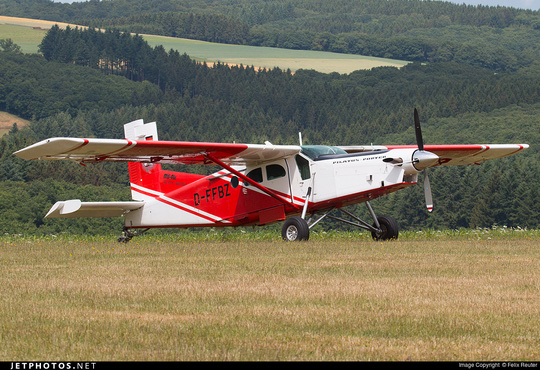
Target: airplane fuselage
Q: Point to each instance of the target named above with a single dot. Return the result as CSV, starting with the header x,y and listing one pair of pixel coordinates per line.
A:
x,y
330,179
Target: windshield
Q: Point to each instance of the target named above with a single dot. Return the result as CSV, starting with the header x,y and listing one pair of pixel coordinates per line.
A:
x,y
313,151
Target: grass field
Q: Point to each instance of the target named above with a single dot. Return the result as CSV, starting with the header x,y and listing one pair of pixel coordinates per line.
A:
x,y
27,38
28,34
265,57
467,296
7,120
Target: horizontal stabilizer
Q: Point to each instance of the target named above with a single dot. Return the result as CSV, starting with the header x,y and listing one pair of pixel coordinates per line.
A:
x,y
76,208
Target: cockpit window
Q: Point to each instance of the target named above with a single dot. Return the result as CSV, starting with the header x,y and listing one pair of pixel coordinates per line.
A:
x,y
274,171
303,167
313,151
256,175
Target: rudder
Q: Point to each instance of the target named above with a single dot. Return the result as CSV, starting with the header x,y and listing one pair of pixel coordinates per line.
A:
x,y
144,177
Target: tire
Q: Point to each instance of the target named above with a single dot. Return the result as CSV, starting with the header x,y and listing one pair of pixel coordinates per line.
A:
x,y
295,229
389,229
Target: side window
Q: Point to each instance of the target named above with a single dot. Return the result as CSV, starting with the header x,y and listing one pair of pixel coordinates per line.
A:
x,y
274,171
256,175
303,166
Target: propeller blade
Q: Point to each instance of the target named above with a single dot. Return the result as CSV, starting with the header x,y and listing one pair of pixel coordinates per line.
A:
x,y
427,191
418,130
422,160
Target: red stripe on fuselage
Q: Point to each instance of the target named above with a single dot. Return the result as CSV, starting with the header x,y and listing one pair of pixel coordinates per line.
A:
x,y
158,197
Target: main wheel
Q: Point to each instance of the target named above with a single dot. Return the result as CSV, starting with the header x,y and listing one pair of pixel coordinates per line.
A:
x,y
295,229
389,229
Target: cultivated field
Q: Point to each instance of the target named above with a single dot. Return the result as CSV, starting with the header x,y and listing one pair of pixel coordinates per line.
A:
x,y
264,57
27,38
28,34
439,296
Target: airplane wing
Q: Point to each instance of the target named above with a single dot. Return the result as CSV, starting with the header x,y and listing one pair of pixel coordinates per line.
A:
x,y
451,155
97,150
76,208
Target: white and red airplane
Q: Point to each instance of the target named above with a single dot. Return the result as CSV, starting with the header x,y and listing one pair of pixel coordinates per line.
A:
x,y
258,184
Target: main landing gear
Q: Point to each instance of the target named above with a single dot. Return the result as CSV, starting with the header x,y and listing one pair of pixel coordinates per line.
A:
x,y
295,229
384,227
127,234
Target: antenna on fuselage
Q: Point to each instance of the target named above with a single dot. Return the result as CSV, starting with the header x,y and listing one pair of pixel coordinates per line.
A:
x,y
300,137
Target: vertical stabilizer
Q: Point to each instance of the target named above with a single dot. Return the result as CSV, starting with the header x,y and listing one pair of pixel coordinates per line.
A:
x,y
138,130
144,177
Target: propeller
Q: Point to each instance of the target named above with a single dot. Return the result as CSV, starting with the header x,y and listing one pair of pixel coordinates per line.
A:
x,y
422,160
427,192
418,130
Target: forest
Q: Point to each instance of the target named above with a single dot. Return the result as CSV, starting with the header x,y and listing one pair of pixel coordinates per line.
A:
x,y
87,83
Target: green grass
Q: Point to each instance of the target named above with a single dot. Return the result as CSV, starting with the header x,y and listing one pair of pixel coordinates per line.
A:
x,y
26,37
453,295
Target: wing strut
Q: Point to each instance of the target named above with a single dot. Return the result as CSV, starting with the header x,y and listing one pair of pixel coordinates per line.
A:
x,y
250,181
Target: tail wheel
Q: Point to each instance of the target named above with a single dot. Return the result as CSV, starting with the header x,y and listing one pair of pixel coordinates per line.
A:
x,y
295,229
389,229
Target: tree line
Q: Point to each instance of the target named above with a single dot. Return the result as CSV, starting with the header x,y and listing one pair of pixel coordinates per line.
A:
x,y
33,88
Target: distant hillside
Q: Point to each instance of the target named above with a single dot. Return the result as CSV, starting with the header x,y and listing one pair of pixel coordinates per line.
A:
x,y
498,38
28,33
